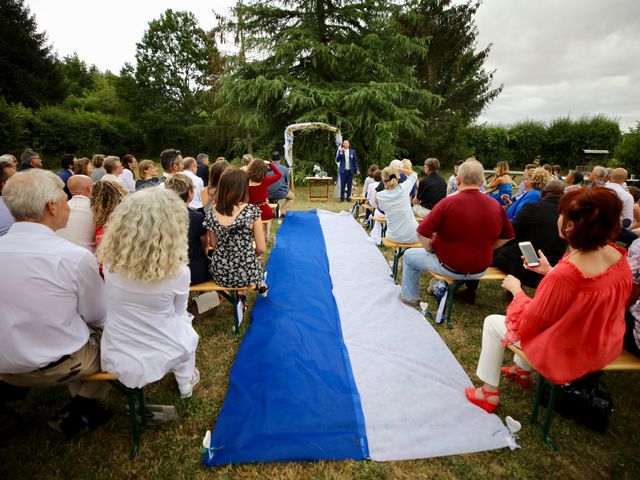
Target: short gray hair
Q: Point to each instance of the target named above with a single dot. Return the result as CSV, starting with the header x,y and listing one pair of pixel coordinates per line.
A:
x,y
109,163
471,172
27,193
432,164
201,157
601,172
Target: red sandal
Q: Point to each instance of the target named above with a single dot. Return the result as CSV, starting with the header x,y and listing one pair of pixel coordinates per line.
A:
x,y
517,375
484,403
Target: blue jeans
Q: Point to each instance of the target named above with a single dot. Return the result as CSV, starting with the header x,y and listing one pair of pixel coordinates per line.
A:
x,y
415,261
346,182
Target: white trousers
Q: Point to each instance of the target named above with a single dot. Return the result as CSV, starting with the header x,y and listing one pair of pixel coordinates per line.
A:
x,y
183,370
492,353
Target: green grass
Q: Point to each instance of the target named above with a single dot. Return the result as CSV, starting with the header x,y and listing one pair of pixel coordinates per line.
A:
x,y
172,451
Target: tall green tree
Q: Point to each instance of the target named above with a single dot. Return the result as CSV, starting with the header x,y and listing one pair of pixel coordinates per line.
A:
x,y
452,68
628,150
342,62
173,67
29,72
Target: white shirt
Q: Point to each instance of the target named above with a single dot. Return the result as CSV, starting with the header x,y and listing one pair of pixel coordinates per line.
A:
x,y
396,204
196,203
126,177
626,198
347,163
6,219
452,185
80,228
50,289
112,178
148,330
371,193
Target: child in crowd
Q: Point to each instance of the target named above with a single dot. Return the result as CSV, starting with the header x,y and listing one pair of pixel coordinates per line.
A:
x,y
198,239
234,225
369,180
105,197
148,173
208,193
148,332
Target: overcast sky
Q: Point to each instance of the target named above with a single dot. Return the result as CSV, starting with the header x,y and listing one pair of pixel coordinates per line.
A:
x,y
554,57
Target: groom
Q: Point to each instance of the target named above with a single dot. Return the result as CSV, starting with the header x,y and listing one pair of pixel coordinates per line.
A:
x,y
347,161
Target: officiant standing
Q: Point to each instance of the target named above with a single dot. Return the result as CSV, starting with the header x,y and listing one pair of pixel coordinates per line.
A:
x,y
347,161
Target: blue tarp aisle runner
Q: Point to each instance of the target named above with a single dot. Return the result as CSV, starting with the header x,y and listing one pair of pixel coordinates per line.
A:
x,y
291,394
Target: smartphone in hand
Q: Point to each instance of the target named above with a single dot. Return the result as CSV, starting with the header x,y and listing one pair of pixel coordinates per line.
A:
x,y
529,254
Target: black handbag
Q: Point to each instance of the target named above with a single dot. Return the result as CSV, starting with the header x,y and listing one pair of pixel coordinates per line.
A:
x,y
585,401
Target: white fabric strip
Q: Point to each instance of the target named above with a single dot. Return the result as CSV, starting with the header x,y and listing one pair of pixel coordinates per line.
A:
x,y
410,384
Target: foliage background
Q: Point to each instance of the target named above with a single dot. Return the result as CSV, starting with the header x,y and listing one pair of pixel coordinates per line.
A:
x,y
401,79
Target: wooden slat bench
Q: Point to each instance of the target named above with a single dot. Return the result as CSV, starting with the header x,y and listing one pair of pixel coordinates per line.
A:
x,y
398,252
453,285
231,294
625,362
383,223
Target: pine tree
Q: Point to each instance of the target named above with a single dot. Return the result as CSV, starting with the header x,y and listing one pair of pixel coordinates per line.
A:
x,y
341,62
452,69
29,72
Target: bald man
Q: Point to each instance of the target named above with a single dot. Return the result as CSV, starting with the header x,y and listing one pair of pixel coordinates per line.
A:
x,y
80,228
536,222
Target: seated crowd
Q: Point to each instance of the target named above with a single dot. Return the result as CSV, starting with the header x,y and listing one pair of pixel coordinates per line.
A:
x,y
121,254
577,322
114,258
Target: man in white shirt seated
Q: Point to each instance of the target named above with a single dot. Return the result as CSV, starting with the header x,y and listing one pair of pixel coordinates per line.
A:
x,y
52,302
190,169
80,228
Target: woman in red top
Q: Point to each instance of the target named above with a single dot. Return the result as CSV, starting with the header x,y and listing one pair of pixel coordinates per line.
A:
x,y
575,324
259,184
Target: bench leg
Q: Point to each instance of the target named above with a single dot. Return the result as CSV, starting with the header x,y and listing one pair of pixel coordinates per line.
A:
x,y
548,418
452,288
134,395
234,298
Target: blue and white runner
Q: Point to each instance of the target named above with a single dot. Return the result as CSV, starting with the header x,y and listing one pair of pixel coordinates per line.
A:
x,y
334,366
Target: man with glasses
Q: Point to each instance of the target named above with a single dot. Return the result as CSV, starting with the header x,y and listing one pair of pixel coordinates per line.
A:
x,y
171,161
7,169
29,159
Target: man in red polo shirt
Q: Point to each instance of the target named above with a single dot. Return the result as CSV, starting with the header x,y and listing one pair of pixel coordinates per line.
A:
x,y
458,236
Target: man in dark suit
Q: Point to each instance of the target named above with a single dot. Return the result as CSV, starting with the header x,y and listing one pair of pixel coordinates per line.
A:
x,y
67,162
203,168
347,161
537,223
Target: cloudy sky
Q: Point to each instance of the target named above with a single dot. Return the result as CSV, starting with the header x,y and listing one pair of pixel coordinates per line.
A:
x,y
555,58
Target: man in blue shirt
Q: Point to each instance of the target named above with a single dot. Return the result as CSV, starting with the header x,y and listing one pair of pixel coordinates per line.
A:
x,y
280,189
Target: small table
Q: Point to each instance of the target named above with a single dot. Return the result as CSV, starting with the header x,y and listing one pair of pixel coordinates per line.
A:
x,y
312,182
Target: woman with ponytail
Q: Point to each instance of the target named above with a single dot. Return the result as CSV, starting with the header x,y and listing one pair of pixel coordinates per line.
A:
x,y
394,200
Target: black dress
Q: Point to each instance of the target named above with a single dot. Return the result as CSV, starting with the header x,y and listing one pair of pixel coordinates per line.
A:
x,y
234,263
198,261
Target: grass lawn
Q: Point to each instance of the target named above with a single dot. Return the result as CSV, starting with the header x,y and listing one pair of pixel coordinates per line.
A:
x,y
172,451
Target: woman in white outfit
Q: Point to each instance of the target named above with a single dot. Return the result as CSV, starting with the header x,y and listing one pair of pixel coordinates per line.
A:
x,y
395,202
148,330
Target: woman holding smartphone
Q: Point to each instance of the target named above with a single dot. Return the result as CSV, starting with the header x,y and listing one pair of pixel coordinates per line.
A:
x,y
575,323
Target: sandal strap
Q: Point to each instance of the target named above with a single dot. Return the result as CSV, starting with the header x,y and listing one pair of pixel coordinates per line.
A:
x,y
489,394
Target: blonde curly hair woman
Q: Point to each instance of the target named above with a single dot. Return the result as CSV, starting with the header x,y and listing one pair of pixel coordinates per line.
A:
x,y
148,331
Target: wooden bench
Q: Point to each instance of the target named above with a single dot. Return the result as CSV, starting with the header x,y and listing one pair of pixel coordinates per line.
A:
x,y
359,201
398,252
231,294
383,224
625,362
453,285
276,209
135,399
